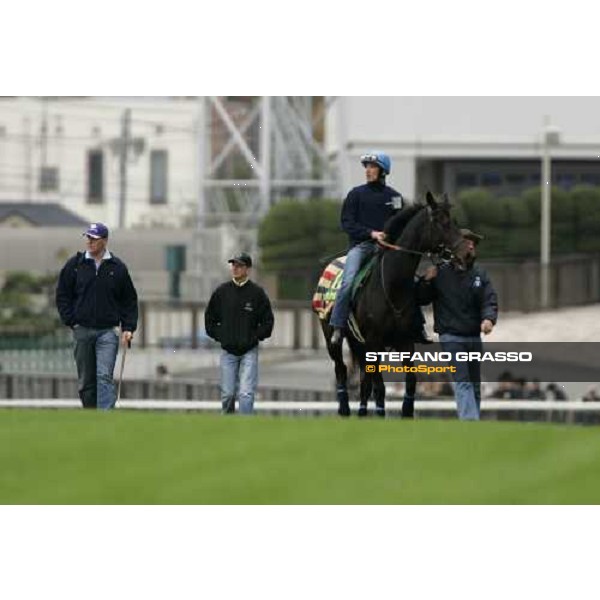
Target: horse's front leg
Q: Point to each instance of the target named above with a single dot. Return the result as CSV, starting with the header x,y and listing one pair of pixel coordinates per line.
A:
x,y
366,386
379,394
408,404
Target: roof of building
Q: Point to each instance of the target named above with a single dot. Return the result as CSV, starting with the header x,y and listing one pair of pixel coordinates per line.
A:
x,y
49,215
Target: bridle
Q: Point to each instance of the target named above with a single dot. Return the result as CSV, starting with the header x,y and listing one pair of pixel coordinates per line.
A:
x,y
439,251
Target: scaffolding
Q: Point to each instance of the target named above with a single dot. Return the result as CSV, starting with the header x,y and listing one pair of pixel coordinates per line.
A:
x,y
252,153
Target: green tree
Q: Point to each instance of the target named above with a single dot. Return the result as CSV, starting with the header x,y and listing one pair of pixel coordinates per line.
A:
x,y
27,302
294,237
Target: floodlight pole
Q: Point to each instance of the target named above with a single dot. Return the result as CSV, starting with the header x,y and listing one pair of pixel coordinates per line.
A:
x,y
551,137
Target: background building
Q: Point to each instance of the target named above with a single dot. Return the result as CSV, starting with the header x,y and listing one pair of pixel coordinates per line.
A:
x,y
204,171
452,143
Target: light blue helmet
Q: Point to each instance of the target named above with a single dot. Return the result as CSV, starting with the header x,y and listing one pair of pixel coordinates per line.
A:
x,y
379,158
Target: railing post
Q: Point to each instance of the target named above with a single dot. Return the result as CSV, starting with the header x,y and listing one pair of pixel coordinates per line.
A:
x,y
297,317
194,309
143,320
315,326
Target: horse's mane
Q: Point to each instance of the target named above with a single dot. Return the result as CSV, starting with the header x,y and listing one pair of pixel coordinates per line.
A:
x,y
395,225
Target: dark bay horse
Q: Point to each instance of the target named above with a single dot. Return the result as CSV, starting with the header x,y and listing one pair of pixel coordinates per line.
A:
x,y
385,306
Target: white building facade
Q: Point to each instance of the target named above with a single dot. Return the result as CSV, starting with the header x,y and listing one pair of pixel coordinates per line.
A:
x,y
82,152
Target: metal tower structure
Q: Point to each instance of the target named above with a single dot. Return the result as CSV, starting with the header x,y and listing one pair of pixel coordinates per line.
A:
x,y
252,152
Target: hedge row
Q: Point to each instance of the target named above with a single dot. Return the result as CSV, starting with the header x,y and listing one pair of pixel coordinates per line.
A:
x,y
511,225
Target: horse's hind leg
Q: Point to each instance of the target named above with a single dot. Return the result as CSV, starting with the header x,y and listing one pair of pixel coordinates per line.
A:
x,y
341,372
408,404
379,394
366,386
341,379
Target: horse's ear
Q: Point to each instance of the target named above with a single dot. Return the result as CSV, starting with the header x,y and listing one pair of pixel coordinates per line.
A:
x,y
430,199
446,199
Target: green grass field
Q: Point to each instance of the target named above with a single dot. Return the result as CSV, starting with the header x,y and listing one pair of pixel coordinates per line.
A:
x,y
76,457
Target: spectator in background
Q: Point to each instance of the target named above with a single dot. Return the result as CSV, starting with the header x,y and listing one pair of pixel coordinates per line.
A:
x,y
533,390
507,387
591,395
162,372
553,392
239,316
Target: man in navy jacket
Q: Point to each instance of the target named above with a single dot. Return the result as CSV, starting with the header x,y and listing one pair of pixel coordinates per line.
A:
x,y
96,298
465,305
364,213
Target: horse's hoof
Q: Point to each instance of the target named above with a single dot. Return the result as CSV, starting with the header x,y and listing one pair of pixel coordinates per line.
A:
x,y
362,411
344,411
408,415
380,413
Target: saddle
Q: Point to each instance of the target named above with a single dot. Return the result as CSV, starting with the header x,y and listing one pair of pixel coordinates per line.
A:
x,y
331,280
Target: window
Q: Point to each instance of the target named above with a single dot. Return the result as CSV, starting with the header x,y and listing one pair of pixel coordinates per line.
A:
x,y
49,180
515,179
590,178
565,180
466,180
159,165
95,177
491,179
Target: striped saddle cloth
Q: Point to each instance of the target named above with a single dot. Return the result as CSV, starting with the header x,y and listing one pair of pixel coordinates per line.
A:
x,y
329,283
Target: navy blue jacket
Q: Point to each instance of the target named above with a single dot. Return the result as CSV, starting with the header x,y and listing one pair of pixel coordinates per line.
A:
x,y
366,209
461,299
99,300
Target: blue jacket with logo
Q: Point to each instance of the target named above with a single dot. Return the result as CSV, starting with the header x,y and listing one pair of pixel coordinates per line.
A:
x,y
366,209
98,299
461,299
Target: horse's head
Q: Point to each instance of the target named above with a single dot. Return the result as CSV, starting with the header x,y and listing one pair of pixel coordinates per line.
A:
x,y
443,234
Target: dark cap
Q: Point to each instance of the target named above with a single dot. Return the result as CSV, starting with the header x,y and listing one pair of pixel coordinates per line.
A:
x,y
470,235
96,231
243,258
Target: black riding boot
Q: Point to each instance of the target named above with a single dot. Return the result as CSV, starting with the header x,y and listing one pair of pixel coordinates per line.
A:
x,y
420,336
337,336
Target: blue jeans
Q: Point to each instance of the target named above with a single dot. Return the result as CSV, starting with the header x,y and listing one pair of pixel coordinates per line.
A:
x,y
239,376
354,259
467,379
95,357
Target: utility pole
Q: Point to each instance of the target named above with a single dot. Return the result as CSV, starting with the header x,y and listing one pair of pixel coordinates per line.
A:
x,y
201,164
44,133
124,143
28,189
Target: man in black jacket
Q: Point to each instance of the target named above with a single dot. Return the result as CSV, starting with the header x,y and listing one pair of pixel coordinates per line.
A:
x,y
465,305
95,297
239,316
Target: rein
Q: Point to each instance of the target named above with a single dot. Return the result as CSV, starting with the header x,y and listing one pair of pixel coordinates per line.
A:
x,y
401,249
395,248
